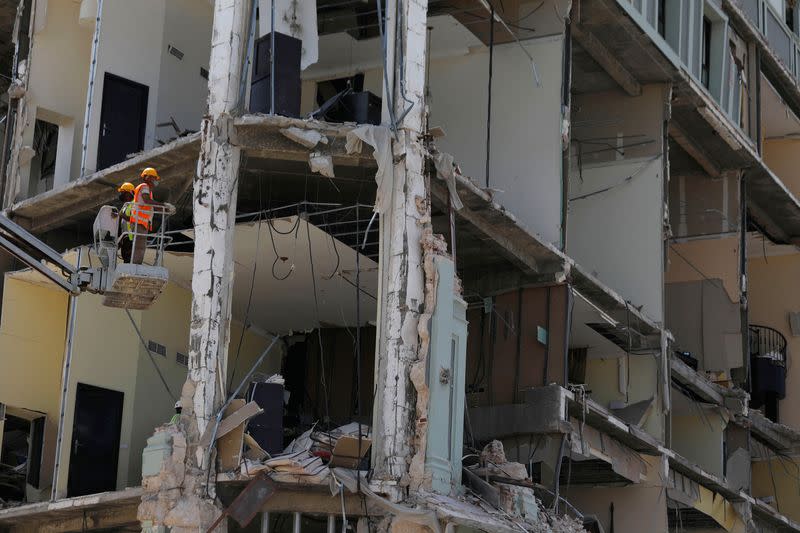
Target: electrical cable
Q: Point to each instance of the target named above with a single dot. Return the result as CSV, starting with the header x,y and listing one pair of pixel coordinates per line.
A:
x,y
389,91
152,360
323,379
275,250
245,323
618,184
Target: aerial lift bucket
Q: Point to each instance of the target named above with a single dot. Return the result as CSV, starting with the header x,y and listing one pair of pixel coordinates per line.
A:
x,y
136,284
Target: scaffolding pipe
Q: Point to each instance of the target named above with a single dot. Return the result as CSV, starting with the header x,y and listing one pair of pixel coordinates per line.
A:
x,y
73,302
90,92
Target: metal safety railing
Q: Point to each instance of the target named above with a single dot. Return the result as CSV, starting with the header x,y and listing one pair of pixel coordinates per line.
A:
x,y
134,241
767,343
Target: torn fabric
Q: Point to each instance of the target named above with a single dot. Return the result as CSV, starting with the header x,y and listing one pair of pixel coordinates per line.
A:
x,y
446,170
380,138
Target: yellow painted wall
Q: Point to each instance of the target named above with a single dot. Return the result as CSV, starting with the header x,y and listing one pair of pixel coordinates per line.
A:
x,y
786,474
103,355
637,508
107,353
781,156
772,293
716,258
167,323
699,439
603,380
31,357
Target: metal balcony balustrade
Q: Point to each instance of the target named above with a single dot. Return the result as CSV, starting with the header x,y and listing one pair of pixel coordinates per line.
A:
x,y
768,343
768,356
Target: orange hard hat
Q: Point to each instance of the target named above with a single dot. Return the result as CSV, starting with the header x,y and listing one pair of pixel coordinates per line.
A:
x,y
150,171
126,187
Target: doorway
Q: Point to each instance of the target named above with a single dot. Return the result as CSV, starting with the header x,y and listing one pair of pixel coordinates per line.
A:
x,y
123,117
95,440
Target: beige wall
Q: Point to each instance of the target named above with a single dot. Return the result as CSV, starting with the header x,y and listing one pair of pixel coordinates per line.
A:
x,y
106,353
773,292
615,217
606,379
637,509
785,473
59,79
104,356
715,258
699,438
32,356
782,157
167,323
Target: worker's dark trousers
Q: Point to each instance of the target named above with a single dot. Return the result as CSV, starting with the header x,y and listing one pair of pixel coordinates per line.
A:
x,y
126,248
139,244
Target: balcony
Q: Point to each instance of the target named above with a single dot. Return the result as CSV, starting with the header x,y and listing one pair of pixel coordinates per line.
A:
x,y
781,39
768,369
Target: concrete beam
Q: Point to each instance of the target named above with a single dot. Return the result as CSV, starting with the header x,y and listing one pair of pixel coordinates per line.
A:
x,y
260,136
695,382
691,147
603,56
88,521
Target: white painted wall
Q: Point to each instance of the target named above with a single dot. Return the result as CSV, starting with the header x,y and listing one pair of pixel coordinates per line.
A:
x,y
618,233
526,125
130,46
526,134
182,91
57,90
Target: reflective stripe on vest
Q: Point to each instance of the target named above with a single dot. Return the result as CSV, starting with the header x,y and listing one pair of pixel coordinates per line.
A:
x,y
142,213
127,213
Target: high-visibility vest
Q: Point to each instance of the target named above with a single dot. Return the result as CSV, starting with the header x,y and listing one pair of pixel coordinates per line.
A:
x,y
142,213
127,211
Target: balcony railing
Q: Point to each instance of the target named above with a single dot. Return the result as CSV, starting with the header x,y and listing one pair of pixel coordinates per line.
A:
x,y
780,37
768,344
768,369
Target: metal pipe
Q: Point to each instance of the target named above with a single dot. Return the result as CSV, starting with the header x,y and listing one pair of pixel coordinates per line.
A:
x,y
332,523
272,60
489,98
73,301
265,522
90,92
298,517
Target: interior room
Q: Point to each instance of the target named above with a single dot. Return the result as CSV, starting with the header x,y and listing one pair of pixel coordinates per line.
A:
x,y
295,282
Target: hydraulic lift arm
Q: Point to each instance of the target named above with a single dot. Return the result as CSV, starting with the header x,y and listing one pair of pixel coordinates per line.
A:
x,y
32,251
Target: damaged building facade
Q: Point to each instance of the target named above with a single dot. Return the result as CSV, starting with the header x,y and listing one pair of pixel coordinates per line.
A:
x,y
433,265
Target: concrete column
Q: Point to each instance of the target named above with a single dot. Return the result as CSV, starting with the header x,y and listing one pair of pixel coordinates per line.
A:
x,y
402,280
214,212
179,497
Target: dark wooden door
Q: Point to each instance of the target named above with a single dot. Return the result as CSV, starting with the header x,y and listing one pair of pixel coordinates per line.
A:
x,y
95,440
123,117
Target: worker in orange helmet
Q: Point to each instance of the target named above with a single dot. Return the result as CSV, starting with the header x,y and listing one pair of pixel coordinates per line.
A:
x,y
142,214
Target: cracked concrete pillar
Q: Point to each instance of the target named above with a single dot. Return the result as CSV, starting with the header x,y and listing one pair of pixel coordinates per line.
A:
x,y
214,213
402,280
187,502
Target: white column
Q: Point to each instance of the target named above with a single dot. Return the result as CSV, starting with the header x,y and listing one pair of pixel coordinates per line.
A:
x,y
402,280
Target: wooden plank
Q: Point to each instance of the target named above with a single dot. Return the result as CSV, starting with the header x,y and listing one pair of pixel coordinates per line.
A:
x,y
229,423
229,445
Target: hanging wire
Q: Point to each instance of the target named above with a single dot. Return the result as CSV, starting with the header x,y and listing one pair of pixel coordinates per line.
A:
x,y
152,359
323,379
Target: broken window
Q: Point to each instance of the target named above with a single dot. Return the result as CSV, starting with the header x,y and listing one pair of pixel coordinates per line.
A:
x,y
45,143
705,66
21,451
